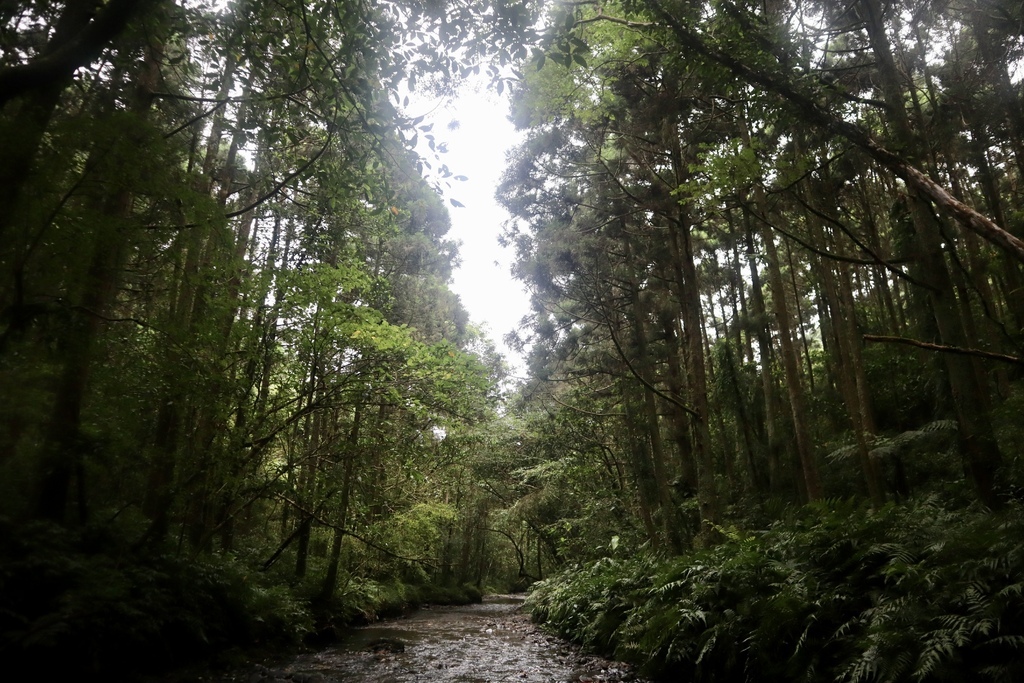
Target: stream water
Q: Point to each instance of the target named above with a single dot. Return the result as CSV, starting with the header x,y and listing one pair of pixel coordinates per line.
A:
x,y
484,643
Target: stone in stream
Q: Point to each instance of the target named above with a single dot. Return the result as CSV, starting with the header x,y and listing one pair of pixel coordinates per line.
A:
x,y
386,645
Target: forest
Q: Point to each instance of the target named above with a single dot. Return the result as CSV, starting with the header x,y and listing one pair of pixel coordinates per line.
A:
x,y
771,423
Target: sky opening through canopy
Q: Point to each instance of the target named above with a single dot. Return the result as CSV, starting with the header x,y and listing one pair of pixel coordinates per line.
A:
x,y
476,148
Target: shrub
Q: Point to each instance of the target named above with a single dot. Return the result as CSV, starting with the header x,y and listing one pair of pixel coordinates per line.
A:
x,y
836,593
87,602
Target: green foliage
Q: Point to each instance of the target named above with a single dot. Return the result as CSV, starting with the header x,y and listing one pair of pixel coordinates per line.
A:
x,y
834,593
103,606
920,461
225,322
901,390
417,530
89,602
366,600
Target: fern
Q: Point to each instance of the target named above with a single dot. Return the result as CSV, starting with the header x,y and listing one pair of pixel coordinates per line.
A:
x,y
865,668
900,594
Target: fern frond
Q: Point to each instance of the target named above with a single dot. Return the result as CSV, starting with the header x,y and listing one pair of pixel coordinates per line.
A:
x,y
847,628
941,426
1015,642
1014,590
864,669
708,647
841,454
900,665
802,640
936,651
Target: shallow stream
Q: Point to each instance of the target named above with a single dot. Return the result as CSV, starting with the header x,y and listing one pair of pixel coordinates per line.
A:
x,y
483,643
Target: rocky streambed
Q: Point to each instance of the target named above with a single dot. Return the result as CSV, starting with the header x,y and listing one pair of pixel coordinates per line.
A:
x,y
483,643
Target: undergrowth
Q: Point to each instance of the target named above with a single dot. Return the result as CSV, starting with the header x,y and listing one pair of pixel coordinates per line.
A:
x,y
837,593
85,601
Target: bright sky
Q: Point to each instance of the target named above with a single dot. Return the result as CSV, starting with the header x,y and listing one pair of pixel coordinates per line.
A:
x,y
476,149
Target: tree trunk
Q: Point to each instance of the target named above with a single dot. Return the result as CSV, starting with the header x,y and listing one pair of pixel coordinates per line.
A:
x,y
969,395
772,402
334,563
62,450
790,356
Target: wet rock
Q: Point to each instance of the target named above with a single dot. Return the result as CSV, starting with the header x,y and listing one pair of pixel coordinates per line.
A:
x,y
386,646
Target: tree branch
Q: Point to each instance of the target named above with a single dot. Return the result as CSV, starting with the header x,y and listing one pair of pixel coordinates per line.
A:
x,y
946,349
60,61
650,387
284,181
814,113
319,519
584,412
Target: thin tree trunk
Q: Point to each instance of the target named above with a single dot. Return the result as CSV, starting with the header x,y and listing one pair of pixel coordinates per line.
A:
x,y
801,328
790,355
334,562
766,354
688,291
969,395
62,452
